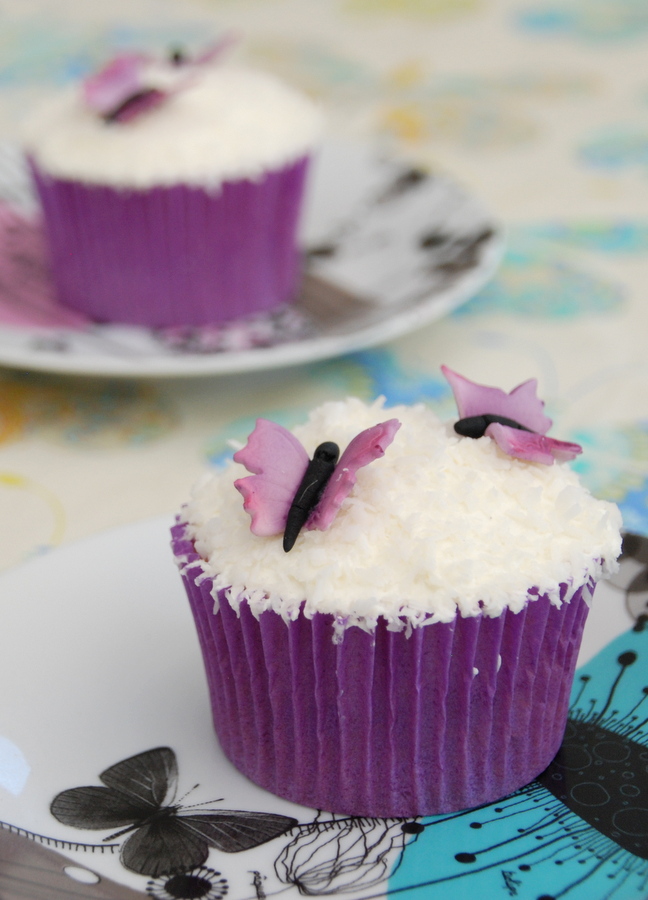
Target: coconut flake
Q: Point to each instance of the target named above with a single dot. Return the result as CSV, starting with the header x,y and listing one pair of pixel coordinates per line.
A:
x,y
439,525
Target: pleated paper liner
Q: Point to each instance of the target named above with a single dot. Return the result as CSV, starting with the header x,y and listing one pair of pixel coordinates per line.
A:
x,y
28,299
384,724
174,256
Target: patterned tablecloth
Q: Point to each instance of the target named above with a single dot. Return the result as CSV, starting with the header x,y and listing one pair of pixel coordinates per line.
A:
x,y
537,107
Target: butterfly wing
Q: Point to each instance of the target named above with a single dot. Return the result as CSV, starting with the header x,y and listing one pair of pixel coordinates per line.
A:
x,y
233,830
365,447
277,461
135,788
94,808
147,779
522,404
163,846
120,79
533,447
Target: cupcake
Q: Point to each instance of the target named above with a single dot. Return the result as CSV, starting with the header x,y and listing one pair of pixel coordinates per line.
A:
x,y
171,191
413,651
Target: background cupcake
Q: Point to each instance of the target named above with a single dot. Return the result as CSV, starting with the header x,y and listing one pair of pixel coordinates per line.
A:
x,y
413,655
171,191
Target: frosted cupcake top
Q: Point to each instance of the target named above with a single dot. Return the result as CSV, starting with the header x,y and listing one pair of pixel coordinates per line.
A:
x,y
227,122
437,524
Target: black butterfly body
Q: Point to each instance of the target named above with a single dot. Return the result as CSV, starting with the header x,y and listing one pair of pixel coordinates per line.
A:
x,y
166,838
316,477
475,426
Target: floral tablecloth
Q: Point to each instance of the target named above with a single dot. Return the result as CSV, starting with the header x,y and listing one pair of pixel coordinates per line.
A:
x,y
537,107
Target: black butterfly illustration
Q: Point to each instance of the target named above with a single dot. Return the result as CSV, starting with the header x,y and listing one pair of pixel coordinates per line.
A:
x,y
166,838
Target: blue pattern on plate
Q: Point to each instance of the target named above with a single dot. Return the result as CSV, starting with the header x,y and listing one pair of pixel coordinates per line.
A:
x,y
535,847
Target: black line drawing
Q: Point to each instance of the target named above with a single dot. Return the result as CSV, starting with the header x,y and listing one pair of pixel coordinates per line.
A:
x,y
57,842
164,837
347,853
201,883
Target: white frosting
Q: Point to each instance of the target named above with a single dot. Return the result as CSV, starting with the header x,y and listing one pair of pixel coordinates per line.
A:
x,y
231,123
438,524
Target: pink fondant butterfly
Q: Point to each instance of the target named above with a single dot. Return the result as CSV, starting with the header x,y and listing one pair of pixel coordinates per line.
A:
x,y
515,421
131,83
286,490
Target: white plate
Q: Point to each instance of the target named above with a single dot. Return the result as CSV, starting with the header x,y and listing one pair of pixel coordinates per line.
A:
x,y
407,250
99,662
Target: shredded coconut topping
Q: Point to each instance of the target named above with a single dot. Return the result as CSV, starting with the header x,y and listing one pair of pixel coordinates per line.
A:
x,y
440,524
232,123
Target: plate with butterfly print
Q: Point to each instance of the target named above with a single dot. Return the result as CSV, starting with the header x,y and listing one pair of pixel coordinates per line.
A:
x,y
387,248
112,784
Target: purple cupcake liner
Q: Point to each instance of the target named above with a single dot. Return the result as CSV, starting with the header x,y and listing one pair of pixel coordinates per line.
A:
x,y
177,255
454,716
